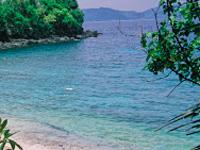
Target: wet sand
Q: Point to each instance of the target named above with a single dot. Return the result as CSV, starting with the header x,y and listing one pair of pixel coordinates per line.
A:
x,y
34,136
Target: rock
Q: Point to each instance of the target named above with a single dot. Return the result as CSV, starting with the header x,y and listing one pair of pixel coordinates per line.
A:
x,y
30,42
62,39
67,38
14,43
72,38
79,37
89,33
17,44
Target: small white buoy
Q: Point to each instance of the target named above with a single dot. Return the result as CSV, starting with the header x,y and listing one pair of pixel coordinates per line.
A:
x,y
69,89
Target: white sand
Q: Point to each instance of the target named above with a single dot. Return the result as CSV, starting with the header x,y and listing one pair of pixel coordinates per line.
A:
x,y
33,136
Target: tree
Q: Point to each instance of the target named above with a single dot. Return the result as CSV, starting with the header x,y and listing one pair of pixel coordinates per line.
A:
x,y
175,47
72,4
3,25
34,19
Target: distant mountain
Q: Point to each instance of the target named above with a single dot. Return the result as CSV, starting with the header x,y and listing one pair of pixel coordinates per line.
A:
x,y
105,14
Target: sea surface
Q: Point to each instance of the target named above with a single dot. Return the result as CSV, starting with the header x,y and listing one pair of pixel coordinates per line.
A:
x,y
97,89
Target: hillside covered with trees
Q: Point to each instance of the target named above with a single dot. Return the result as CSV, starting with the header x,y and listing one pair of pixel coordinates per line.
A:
x,y
35,19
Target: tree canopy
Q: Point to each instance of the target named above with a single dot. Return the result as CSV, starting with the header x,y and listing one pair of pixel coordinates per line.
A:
x,y
175,47
39,18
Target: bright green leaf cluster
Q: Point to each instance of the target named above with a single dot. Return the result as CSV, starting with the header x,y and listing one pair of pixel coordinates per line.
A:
x,y
5,137
39,18
175,45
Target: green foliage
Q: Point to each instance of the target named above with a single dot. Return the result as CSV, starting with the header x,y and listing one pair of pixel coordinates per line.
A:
x,y
175,47
5,137
39,18
175,44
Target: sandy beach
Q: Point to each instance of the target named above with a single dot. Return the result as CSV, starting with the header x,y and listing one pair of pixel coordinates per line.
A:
x,y
34,136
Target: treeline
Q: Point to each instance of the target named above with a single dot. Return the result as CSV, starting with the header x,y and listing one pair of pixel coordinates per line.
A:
x,y
34,19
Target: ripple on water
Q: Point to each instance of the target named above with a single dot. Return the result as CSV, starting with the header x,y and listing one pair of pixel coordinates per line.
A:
x,y
95,89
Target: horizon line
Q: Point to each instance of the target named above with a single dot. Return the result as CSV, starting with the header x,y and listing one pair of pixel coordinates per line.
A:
x,y
118,9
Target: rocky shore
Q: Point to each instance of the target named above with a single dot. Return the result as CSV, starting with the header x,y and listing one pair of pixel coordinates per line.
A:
x,y
17,43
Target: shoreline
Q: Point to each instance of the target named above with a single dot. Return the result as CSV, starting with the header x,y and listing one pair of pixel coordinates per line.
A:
x,y
36,136
20,43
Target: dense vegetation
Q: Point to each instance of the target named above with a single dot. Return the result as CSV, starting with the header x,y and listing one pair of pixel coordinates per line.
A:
x,y
175,48
39,18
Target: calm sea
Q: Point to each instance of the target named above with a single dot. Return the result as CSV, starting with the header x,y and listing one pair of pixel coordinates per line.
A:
x,y
96,88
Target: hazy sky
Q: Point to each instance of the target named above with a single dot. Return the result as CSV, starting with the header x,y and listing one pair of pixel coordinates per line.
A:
x,y
138,5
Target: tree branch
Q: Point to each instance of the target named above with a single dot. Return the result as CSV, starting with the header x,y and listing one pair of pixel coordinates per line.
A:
x,y
175,88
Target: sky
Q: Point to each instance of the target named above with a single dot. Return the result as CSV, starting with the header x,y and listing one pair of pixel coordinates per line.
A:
x,y
137,5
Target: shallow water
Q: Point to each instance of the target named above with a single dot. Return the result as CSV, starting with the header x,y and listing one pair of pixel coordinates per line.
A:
x,y
96,88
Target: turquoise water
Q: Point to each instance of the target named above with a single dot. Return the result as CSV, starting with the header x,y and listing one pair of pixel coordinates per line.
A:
x,y
96,88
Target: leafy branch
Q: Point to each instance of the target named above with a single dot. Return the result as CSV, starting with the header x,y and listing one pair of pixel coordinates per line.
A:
x,y
174,47
5,137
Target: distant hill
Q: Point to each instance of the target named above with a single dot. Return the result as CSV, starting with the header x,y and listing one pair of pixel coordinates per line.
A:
x,y
105,14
